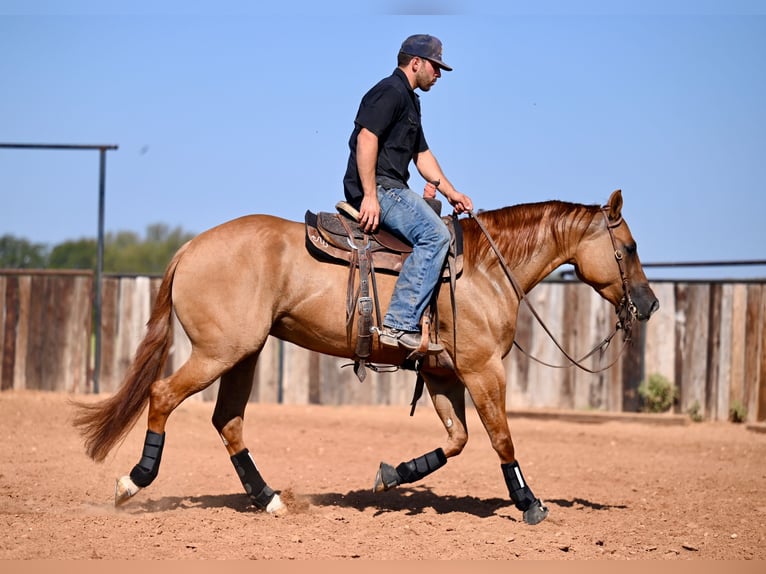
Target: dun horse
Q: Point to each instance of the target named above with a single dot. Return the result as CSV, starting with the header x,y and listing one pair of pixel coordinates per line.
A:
x,y
235,284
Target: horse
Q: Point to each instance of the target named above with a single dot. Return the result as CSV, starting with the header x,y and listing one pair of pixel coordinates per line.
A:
x,y
239,282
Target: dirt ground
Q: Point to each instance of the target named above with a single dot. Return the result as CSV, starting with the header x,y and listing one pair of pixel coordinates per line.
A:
x,y
616,490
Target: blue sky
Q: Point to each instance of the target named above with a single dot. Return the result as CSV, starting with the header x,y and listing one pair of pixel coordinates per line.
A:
x,y
228,108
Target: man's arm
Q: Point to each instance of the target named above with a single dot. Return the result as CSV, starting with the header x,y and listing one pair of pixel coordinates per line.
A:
x,y
366,163
429,168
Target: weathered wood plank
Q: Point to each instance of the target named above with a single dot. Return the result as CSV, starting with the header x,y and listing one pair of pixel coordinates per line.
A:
x,y
738,356
266,388
77,365
588,387
693,304
336,382
606,384
8,338
36,320
753,349
722,366
314,375
569,341
593,322
333,381
295,369
612,377
632,371
124,349
22,334
660,349
58,293
48,351
517,364
108,373
544,382
714,352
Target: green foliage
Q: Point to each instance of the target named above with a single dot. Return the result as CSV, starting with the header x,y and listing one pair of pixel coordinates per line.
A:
x,y
694,412
16,253
658,394
78,254
124,252
737,412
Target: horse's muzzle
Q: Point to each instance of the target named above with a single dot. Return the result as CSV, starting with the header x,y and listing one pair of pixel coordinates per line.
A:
x,y
646,302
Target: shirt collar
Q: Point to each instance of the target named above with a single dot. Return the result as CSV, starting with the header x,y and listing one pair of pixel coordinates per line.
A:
x,y
403,77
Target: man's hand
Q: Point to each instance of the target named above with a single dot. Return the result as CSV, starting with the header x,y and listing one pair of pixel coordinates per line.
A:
x,y
369,213
460,202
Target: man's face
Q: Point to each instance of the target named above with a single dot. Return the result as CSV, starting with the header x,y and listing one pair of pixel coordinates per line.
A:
x,y
426,74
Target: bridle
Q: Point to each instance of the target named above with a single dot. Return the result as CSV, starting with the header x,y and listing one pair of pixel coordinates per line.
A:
x,y
626,310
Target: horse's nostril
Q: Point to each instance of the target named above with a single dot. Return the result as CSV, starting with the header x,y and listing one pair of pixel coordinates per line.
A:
x,y
655,307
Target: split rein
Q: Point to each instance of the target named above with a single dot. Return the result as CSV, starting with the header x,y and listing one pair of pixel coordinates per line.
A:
x,y
626,311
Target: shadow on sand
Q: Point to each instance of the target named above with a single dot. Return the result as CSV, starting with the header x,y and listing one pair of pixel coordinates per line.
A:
x,y
409,500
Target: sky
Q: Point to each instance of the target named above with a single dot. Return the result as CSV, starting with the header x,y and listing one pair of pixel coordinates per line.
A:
x,y
221,109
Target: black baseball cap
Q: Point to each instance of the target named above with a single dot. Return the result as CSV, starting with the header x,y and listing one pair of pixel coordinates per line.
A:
x,y
425,46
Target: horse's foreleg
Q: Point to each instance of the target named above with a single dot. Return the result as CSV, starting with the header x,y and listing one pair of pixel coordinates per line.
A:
x,y
488,393
448,397
166,394
228,419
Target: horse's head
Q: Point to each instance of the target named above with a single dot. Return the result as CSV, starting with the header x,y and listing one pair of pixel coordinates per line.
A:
x,y
607,259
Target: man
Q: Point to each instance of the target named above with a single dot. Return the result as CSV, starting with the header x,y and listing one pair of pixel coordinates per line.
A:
x,y
386,137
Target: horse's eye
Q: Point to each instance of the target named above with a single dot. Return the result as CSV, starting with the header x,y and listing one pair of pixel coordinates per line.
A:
x,y
630,249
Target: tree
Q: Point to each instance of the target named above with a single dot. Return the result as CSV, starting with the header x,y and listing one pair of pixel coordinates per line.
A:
x,y
17,253
78,254
124,251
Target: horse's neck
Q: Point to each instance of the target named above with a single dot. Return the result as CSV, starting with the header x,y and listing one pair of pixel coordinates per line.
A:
x,y
532,271
533,252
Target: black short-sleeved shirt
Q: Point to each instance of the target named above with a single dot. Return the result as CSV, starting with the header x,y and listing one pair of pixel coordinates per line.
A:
x,y
390,110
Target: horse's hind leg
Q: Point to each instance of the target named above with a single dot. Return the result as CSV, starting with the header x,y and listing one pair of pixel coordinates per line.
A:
x,y
165,395
448,397
228,419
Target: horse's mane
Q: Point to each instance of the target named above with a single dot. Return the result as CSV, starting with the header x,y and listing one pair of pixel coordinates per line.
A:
x,y
519,229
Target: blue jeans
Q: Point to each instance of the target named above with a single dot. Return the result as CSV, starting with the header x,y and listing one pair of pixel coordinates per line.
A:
x,y
406,213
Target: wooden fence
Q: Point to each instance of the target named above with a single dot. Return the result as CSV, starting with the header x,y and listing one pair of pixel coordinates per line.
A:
x,y
709,338
45,325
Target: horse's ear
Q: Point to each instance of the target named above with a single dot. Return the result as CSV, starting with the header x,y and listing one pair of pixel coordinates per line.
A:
x,y
615,205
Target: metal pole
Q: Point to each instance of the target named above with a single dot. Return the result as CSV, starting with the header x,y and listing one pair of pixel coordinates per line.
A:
x,y
99,267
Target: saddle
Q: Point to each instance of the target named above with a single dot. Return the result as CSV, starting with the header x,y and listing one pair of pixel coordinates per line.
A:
x,y
337,238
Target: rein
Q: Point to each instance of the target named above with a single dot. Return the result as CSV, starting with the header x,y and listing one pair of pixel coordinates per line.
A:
x,y
626,310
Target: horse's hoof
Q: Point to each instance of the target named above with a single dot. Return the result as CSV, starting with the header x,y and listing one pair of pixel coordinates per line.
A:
x,y
124,489
536,513
385,478
276,506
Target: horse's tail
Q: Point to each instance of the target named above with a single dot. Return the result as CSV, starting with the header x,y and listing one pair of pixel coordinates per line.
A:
x,y
107,422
